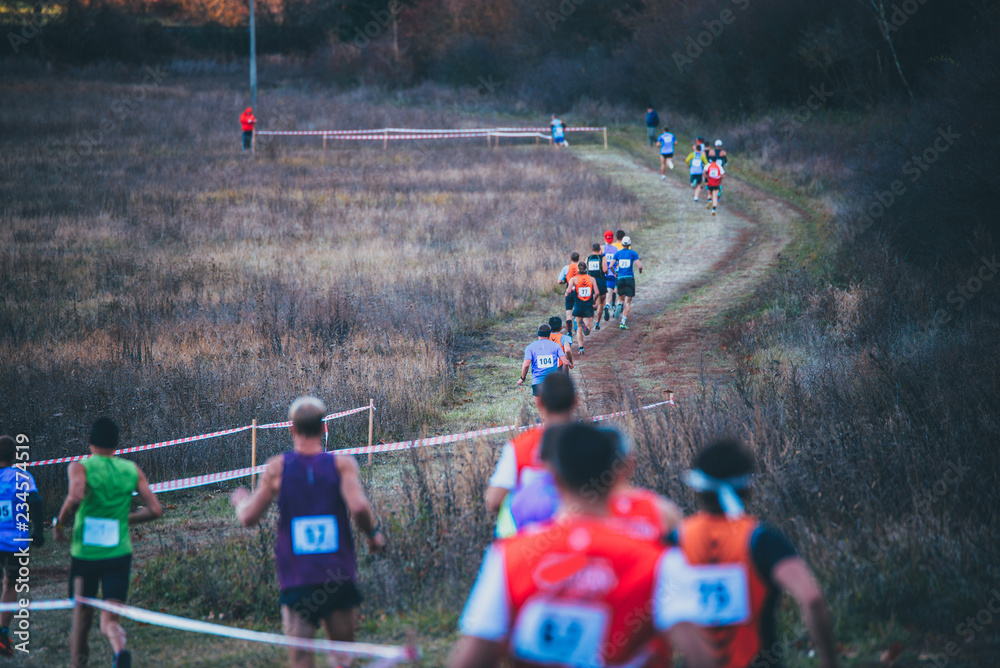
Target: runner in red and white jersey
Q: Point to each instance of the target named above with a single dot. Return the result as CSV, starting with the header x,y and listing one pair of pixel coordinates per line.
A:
x,y
520,460
714,173
583,590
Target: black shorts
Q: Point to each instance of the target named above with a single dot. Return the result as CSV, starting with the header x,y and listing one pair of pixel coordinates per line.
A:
x,y
626,286
711,188
111,574
570,301
695,180
602,283
9,564
583,310
664,156
536,390
314,603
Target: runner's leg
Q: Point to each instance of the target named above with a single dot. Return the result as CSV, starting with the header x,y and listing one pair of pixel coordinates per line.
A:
x,y
297,627
8,596
111,627
79,639
341,625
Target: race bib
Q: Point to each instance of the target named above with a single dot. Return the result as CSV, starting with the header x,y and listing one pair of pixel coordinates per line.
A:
x,y
565,634
100,532
6,511
546,361
713,596
583,292
624,263
593,265
316,534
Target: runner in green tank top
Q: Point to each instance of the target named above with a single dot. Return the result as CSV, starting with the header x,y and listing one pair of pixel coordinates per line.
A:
x,y
100,502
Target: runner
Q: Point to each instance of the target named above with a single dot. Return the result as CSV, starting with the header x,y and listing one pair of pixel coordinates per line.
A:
x,y
18,496
597,269
318,494
564,340
650,514
714,174
652,120
718,154
247,122
619,235
518,490
574,269
696,163
626,262
99,500
609,251
585,289
542,358
666,141
744,565
582,590
558,132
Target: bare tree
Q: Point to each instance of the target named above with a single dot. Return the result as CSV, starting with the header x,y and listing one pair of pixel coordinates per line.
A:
x,y
878,7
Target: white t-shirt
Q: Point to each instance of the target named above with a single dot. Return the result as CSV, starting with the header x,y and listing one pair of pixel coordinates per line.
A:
x,y
505,476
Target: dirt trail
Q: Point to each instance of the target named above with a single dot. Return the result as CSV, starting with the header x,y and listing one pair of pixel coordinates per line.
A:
x,y
695,266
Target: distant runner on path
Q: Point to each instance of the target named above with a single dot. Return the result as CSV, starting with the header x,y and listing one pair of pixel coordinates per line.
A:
x,y
585,289
541,357
666,141
626,262
696,163
573,268
652,122
609,251
597,269
318,494
714,174
558,132
564,340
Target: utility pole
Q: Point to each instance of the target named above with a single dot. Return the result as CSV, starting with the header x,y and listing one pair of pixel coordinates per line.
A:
x,y
253,58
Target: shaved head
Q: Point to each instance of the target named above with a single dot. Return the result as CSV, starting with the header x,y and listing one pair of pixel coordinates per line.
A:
x,y
306,414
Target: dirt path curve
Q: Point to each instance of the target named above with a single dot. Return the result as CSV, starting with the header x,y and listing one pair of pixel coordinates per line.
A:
x,y
695,267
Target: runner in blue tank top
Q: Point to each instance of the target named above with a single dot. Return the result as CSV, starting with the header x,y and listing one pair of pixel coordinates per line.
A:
x,y
18,497
318,493
666,142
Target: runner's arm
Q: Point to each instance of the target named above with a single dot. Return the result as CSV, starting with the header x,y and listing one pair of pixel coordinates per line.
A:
x,y
354,495
473,652
691,642
250,507
793,575
74,496
503,480
525,365
638,265
572,284
36,509
152,509
564,356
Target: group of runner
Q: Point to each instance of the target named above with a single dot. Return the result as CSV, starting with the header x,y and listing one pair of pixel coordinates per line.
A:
x,y
589,570
705,165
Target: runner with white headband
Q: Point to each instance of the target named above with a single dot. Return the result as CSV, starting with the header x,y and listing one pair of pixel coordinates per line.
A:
x,y
741,566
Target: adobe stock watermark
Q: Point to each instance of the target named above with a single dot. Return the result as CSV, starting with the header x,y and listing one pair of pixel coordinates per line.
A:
x,y
900,14
963,293
696,46
566,9
801,114
967,631
381,20
915,168
121,109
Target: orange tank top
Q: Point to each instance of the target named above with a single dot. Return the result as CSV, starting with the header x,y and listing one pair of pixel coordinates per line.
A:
x,y
724,543
585,287
574,587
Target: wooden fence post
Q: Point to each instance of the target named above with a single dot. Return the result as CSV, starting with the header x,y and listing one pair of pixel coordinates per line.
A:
x,y
385,140
371,425
253,452
324,142
605,138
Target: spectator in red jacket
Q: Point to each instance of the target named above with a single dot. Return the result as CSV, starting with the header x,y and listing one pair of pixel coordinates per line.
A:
x,y
248,120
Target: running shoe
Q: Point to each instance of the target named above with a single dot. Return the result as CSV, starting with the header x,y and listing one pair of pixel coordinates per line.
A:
x,y
713,212
6,646
586,330
607,313
597,327
123,659
619,309
581,350
695,199
708,204
663,177
622,326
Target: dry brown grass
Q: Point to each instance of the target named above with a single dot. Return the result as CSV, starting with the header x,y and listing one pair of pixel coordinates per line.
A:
x,y
179,285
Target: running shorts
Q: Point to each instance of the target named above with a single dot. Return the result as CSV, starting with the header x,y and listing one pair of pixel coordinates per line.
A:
x,y
570,301
602,284
711,188
9,564
583,310
111,574
536,390
314,603
626,286
610,280
664,156
695,179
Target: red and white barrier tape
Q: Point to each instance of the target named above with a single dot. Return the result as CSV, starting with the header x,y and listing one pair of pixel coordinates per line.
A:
x,y
331,416
393,653
140,448
51,604
191,439
416,133
210,478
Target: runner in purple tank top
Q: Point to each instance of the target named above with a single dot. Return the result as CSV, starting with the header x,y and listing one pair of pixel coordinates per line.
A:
x,y
318,494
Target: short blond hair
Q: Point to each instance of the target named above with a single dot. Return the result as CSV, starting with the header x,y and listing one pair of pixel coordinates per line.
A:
x,y
306,414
